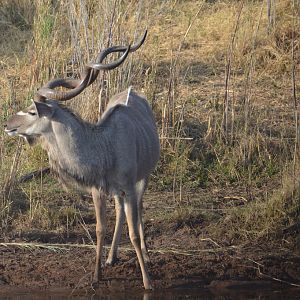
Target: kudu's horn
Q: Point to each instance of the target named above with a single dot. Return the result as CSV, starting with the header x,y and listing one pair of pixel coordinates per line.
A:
x,y
87,77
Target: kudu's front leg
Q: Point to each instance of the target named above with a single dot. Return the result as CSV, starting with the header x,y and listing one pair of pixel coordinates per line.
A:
x,y
100,209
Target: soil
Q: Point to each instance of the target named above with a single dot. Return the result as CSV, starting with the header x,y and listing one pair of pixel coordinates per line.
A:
x,y
181,256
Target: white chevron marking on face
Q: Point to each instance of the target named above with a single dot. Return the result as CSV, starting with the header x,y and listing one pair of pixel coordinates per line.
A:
x,y
11,133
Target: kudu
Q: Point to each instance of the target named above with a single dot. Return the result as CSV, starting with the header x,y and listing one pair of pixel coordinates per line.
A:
x,y
114,156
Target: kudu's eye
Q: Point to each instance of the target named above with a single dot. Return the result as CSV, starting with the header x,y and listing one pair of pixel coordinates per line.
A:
x,y
32,113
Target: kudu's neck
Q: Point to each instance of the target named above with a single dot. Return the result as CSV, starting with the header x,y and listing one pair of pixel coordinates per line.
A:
x,y
76,148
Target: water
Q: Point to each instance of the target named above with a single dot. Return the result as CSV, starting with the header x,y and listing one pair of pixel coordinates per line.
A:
x,y
175,293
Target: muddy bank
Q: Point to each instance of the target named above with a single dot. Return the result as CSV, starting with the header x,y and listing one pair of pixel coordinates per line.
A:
x,y
182,253
70,267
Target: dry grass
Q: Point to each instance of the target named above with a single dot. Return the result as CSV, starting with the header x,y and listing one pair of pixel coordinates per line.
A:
x,y
203,63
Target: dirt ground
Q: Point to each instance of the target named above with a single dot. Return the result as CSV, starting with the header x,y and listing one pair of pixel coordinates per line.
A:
x,y
180,251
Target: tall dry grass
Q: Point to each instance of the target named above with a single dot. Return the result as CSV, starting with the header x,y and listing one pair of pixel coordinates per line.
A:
x,y
220,76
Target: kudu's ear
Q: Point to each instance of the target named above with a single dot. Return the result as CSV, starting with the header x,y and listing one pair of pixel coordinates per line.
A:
x,y
43,109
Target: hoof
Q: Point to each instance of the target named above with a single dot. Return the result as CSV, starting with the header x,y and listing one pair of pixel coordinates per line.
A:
x,y
147,260
111,261
149,287
146,257
96,280
95,284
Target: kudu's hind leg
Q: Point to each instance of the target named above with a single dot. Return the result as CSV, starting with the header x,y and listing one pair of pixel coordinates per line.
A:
x,y
140,190
120,217
131,211
100,210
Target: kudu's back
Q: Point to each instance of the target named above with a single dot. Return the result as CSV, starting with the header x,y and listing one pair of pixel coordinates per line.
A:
x,y
134,134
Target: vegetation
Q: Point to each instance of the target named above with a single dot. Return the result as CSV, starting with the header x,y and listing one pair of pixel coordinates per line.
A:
x,y
222,78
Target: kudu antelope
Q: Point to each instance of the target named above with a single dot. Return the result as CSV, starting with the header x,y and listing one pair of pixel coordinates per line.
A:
x,y
114,156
